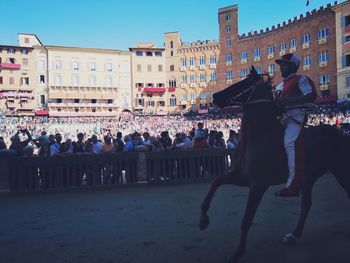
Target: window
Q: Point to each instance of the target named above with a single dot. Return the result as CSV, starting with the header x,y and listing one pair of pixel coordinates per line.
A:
x,y
347,60
11,80
324,79
76,100
172,83
228,29
283,47
109,67
347,20
25,81
212,59
192,61
229,58
26,40
202,78
244,55
171,44
183,62
42,65
202,96
173,101
160,68
201,60
305,39
94,101
229,74
150,103
58,80
213,76
171,53
1,80
25,61
293,43
42,79
24,51
139,53
75,81
42,100
323,57
228,42
139,85
138,67
270,50
192,78
244,73
11,51
271,68
109,81
149,54
58,64
193,96
183,79
228,18
172,68
92,80
184,97
347,81
307,61
75,65
256,53
323,33
347,38
12,60
258,70
59,100
149,68
158,54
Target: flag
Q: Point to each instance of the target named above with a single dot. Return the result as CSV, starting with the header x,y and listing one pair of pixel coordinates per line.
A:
x,y
307,2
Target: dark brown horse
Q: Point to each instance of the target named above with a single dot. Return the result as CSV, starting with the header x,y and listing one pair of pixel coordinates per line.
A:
x,y
260,159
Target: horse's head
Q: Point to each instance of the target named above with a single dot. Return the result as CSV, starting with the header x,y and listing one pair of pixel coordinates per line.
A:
x,y
255,86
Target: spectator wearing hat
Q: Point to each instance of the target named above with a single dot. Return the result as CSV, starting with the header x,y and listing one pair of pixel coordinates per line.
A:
x,y
291,95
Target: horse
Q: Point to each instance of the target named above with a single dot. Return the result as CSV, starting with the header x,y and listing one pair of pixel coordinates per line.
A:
x,y
260,159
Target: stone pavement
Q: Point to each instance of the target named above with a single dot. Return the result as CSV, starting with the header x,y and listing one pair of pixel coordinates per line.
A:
x,y
159,224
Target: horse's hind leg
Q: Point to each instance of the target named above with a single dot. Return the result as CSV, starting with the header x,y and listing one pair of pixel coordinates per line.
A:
x,y
231,178
256,193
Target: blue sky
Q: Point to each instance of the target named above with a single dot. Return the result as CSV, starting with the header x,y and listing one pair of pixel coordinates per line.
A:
x,y
119,24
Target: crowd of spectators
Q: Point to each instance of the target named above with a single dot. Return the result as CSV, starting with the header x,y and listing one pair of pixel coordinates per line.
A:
x,y
45,136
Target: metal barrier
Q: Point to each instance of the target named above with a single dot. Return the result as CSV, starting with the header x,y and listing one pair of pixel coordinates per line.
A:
x,y
75,171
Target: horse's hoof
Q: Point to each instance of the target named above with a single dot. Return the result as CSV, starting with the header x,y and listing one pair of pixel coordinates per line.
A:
x,y
203,222
289,239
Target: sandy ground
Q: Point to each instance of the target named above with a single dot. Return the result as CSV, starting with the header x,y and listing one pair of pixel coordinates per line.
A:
x,y
159,224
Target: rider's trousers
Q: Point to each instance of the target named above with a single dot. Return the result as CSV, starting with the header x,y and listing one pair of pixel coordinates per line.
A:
x,y
291,134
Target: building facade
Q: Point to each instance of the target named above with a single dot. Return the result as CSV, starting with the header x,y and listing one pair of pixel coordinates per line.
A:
x,y
17,80
149,91
312,37
342,22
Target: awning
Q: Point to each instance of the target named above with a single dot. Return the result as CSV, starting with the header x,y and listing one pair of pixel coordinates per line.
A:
x,y
326,100
155,89
42,112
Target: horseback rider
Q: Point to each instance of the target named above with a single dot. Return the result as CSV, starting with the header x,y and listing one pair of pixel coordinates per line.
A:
x,y
292,94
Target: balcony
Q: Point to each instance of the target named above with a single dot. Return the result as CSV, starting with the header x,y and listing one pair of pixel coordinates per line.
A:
x,y
9,66
154,90
270,56
212,66
306,45
323,64
322,40
244,61
171,89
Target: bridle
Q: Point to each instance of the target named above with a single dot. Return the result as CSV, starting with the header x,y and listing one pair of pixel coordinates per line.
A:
x,y
252,90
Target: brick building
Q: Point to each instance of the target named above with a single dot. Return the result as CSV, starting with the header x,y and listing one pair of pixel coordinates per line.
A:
x,y
312,37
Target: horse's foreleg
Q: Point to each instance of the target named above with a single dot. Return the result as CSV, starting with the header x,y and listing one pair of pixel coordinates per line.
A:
x,y
306,203
218,181
256,193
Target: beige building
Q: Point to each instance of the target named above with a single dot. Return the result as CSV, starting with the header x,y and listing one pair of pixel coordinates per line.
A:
x,y
342,17
149,91
88,81
17,79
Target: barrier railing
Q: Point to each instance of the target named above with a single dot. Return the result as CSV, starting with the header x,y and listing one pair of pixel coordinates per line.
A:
x,y
76,171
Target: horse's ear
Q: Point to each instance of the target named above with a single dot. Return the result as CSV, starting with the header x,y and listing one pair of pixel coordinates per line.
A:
x,y
253,70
